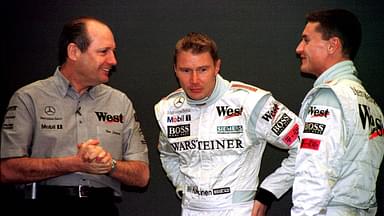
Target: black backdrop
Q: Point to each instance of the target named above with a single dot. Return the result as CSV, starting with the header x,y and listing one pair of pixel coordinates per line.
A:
x,y
256,39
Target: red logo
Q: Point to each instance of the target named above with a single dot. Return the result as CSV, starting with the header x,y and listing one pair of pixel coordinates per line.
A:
x,y
292,135
310,144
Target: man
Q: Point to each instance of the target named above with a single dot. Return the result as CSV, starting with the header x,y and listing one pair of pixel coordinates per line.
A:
x,y
343,144
214,132
70,137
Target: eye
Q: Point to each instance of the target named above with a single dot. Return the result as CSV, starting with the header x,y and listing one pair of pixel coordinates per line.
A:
x,y
185,70
202,69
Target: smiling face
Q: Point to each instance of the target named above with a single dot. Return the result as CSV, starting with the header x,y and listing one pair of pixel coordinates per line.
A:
x,y
196,73
313,50
95,63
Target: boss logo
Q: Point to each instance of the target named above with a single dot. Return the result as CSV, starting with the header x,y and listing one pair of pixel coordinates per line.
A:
x,y
281,124
315,128
179,131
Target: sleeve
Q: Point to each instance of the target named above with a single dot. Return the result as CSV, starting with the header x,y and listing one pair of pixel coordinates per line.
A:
x,y
135,143
170,162
320,151
17,128
280,127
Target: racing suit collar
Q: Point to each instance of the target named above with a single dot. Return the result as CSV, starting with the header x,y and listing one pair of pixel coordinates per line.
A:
x,y
344,69
220,86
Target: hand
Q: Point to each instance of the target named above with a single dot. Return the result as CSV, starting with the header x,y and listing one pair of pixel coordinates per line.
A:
x,y
96,160
259,209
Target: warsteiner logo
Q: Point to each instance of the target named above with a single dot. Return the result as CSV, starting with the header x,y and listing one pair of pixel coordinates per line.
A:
x,y
228,112
179,131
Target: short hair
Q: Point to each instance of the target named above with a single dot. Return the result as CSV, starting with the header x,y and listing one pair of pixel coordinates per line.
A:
x,y
196,43
75,31
342,24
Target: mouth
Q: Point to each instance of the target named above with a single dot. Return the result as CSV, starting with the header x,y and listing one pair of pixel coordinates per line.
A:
x,y
196,90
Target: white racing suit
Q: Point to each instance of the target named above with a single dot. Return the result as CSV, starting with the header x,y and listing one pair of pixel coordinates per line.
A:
x,y
342,147
211,150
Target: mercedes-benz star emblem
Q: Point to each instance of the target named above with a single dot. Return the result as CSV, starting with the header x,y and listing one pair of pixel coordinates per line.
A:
x,y
49,110
179,101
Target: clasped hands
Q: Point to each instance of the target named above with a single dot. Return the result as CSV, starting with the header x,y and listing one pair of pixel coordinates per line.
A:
x,y
94,158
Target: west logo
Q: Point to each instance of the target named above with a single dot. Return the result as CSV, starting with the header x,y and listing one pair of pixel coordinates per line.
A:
x,y
179,131
271,113
315,128
228,112
318,112
105,117
280,125
375,125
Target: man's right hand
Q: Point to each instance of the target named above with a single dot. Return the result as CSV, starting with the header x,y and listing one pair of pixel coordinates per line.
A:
x,y
96,160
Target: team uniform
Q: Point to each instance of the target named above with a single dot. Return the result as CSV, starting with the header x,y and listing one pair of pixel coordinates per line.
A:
x,y
211,149
48,118
342,147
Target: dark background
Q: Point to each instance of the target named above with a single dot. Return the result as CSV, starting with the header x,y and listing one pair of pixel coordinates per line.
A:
x,y
256,39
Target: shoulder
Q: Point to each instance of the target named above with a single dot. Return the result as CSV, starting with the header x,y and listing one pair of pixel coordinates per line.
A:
x,y
244,88
177,94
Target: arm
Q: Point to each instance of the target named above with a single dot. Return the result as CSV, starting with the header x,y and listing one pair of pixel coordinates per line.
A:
x,y
321,148
171,164
279,126
259,209
133,167
25,169
133,173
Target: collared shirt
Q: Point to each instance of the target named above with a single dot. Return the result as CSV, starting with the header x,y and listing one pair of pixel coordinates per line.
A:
x,y
48,118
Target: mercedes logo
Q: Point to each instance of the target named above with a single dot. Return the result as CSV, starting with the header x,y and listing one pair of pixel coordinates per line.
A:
x,y
49,110
179,101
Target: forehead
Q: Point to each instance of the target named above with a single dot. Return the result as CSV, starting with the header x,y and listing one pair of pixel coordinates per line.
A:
x,y
311,28
100,34
188,57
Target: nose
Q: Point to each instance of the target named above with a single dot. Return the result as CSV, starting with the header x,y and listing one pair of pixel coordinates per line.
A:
x,y
112,58
299,48
194,77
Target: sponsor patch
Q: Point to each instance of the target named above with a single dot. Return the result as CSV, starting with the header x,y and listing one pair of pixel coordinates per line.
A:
x,y
370,122
271,113
51,126
179,131
315,128
209,192
292,135
108,118
228,112
315,112
313,144
231,129
281,124
179,101
178,118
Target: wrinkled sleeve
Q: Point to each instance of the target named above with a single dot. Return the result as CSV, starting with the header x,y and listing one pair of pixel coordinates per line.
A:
x,y
280,127
170,162
135,143
320,150
17,128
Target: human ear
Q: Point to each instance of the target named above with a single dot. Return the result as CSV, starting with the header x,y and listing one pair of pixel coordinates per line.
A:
x,y
73,51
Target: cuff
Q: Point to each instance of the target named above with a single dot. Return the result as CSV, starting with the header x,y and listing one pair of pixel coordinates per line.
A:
x,y
179,191
265,197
